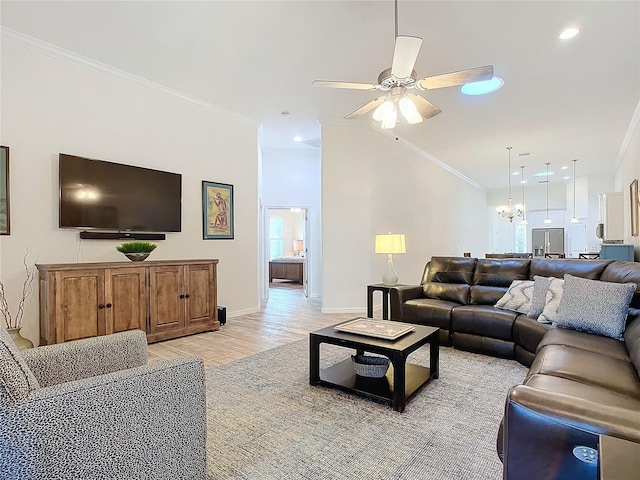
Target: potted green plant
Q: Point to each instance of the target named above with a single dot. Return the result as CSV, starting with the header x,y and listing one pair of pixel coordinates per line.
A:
x,y
136,251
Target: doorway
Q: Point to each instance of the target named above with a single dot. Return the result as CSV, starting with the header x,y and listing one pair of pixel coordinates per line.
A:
x,y
287,252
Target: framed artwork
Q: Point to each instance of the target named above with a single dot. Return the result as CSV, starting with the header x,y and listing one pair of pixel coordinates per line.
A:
x,y
217,211
633,195
5,224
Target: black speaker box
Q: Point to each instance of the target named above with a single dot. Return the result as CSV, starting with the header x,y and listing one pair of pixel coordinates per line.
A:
x,y
222,314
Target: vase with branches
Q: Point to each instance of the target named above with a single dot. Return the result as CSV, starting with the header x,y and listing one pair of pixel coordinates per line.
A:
x,y
14,323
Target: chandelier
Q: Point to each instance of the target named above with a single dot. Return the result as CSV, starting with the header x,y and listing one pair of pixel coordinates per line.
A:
x,y
510,210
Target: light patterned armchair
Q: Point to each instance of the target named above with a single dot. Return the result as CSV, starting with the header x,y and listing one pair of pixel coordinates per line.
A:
x,y
93,409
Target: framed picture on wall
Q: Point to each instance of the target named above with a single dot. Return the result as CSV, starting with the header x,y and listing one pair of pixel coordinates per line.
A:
x,y
5,224
633,196
217,211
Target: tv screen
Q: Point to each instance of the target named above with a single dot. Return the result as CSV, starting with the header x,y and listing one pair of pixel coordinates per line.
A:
x,y
111,196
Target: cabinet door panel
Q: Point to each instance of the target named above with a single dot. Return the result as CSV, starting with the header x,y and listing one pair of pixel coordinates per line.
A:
x,y
201,302
79,296
166,307
127,294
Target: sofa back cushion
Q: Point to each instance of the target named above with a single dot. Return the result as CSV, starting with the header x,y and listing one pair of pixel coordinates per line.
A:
x,y
452,292
16,379
450,270
632,342
500,272
557,267
493,276
448,278
624,272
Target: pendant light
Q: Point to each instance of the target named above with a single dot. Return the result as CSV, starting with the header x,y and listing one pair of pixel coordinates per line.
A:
x,y
524,205
509,210
547,220
574,219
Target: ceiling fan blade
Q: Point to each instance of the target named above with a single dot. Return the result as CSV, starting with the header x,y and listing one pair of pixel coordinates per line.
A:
x,y
424,106
405,55
366,108
457,78
352,85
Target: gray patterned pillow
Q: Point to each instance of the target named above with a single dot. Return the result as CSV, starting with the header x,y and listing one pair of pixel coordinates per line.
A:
x,y
554,294
595,307
517,297
16,379
539,297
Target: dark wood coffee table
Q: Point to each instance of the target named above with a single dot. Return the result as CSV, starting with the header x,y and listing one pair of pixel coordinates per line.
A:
x,y
402,380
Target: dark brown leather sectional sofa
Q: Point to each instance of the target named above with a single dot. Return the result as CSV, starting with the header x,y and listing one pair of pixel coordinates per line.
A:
x,y
579,385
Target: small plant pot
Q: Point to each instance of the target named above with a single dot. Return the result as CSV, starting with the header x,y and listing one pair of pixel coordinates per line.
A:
x,y
136,257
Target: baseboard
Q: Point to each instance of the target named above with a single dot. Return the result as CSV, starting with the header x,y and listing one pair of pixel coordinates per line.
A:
x,y
354,310
240,313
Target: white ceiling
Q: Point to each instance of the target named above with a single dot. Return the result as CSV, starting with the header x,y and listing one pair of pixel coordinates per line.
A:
x,y
561,99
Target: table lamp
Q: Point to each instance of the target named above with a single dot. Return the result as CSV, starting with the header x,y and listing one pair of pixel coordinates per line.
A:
x,y
390,243
297,248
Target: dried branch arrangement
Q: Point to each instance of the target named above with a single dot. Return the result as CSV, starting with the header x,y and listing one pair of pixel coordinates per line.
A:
x,y
27,288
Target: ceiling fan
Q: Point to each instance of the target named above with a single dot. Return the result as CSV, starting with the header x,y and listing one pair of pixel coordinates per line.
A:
x,y
398,82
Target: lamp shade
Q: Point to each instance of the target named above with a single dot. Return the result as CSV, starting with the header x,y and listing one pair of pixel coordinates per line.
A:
x,y
390,243
297,245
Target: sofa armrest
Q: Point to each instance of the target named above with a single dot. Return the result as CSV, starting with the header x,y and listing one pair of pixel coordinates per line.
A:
x,y
144,422
541,428
64,362
400,294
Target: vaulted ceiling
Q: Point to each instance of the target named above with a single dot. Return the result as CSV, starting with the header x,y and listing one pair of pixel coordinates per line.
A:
x,y
561,99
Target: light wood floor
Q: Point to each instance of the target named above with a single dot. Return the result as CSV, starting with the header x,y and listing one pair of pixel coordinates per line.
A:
x,y
287,316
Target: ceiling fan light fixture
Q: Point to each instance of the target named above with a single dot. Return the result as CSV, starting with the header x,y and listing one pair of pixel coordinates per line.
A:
x,y
483,87
383,110
390,120
409,111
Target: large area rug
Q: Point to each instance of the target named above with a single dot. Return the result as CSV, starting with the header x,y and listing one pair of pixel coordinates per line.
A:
x,y
266,422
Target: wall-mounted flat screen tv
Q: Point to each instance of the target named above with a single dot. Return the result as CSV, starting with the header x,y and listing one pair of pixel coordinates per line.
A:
x,y
112,196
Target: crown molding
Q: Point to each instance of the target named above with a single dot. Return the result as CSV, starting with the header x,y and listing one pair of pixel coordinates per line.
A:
x,y
418,151
44,48
633,126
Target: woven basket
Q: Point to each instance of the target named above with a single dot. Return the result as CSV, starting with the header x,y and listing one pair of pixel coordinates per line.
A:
x,y
367,366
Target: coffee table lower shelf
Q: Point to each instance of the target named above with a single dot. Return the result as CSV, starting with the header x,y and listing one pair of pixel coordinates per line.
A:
x,y
342,376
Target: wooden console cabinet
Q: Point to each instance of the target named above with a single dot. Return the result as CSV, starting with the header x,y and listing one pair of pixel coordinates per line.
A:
x,y
166,299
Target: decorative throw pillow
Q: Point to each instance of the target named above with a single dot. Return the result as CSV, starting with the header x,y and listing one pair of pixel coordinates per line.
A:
x,y
595,307
539,297
16,379
554,294
517,297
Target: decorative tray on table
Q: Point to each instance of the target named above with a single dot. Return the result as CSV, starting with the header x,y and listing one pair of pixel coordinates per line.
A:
x,y
375,328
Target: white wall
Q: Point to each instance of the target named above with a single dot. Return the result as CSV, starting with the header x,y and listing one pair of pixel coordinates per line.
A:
x,y
628,170
291,178
50,106
373,184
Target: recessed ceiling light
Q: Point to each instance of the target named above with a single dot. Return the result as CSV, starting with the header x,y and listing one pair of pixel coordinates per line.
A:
x,y
482,88
563,168
515,173
542,174
297,139
568,33
566,178
285,114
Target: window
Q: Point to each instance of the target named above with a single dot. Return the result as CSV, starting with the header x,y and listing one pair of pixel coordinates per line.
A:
x,y
276,237
521,238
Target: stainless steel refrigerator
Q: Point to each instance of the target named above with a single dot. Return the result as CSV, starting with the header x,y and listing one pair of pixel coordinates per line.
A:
x,y
547,240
